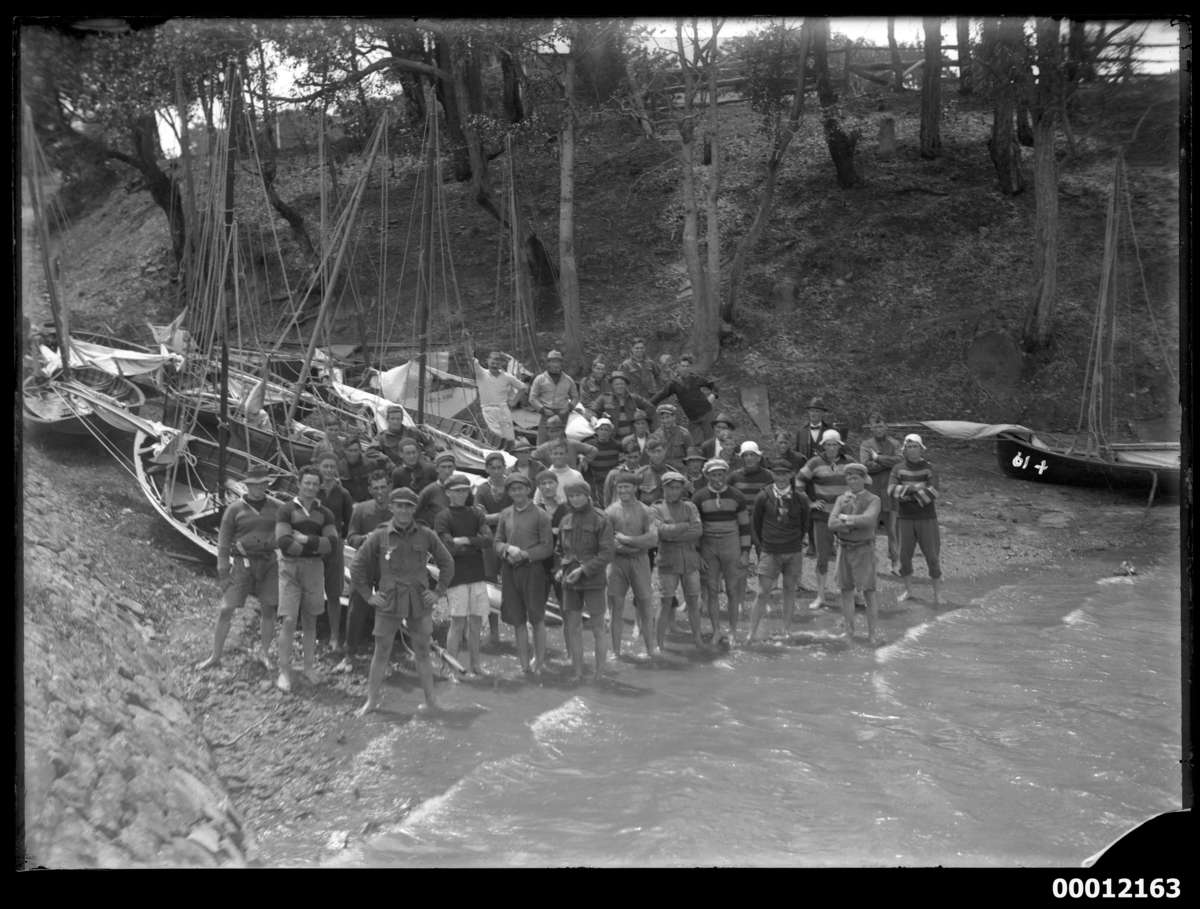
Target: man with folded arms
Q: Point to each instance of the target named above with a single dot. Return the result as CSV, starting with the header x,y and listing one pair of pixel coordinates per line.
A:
x,y
585,548
524,540
853,519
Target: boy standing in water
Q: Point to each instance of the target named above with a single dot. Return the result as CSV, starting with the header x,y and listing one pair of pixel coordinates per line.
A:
x,y
914,487
778,524
585,545
853,520
524,541
463,530
879,454
634,534
679,532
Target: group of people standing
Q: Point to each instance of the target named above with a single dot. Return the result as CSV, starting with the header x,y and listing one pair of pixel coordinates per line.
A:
x,y
591,522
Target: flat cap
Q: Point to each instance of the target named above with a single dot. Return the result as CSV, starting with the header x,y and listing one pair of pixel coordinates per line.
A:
x,y
403,494
458,481
517,477
715,464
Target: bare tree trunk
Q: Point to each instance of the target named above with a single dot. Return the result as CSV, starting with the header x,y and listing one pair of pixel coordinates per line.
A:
x,y
568,284
840,143
897,65
1046,102
766,201
143,134
1007,65
965,83
1024,121
712,298
637,100
451,100
512,76
931,90
691,209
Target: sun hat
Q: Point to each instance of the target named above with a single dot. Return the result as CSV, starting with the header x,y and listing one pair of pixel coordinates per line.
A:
x,y
831,435
257,474
750,447
913,437
715,464
554,355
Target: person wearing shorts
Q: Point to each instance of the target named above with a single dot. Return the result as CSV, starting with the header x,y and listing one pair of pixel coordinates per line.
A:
x,y
634,534
493,499
464,531
305,534
853,519
585,549
778,525
390,571
246,564
824,475
524,540
679,530
724,542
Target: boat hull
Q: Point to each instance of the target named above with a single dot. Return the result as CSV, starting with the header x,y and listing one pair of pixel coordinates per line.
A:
x,y
1021,459
58,407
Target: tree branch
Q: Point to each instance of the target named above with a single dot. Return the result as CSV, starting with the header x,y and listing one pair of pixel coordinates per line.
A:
x,y
424,69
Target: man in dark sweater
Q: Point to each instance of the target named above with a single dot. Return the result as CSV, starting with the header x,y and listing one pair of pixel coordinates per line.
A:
x,y
335,497
433,497
365,518
493,499
778,524
246,563
695,395
464,531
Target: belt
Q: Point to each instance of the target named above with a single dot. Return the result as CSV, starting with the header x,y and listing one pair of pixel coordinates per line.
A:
x,y
854,544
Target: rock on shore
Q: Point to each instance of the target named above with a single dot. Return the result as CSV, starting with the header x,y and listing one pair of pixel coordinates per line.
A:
x,y
116,772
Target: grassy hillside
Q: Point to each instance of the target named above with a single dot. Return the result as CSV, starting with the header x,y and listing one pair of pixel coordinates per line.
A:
x,y
896,279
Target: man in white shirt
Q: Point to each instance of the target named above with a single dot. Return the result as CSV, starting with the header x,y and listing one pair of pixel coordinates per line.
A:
x,y
496,386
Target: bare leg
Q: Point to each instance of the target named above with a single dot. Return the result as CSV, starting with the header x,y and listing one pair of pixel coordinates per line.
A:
x,y
693,609
224,620
377,672
521,632
474,630
419,632
458,624
820,600
287,632
848,612
872,615
664,619
308,624
756,614
266,631
334,607
649,619
493,629
937,591
539,645
789,598
574,636
907,595
599,642
714,614
616,612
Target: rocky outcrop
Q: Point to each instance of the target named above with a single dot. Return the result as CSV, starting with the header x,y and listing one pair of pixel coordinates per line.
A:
x,y
116,772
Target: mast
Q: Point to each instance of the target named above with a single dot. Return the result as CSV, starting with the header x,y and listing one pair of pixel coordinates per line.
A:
x,y
426,271
39,218
235,97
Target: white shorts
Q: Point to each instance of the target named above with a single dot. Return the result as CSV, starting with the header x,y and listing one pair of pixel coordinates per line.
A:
x,y
468,599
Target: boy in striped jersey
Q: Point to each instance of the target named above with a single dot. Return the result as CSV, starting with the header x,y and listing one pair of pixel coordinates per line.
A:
x,y
913,485
825,476
724,542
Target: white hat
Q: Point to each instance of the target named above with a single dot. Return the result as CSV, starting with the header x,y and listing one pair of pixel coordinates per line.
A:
x,y
750,447
603,421
715,464
913,437
831,435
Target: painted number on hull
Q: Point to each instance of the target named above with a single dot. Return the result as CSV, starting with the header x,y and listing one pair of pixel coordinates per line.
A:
x,y
1022,461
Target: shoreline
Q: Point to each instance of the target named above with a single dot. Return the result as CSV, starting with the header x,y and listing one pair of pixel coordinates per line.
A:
x,y
278,766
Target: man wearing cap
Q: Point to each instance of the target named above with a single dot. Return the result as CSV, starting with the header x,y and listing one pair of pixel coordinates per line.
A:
x,y
464,531
594,384
693,468
492,497
724,542
825,477
853,519
675,438
585,548
679,529
524,540
880,453
246,563
635,534
695,395
650,475
722,444
365,518
355,469
607,456
525,462
496,388
412,471
913,485
621,405
334,497
645,378
578,453
560,465
552,393
394,561
631,462
433,497
778,524
305,533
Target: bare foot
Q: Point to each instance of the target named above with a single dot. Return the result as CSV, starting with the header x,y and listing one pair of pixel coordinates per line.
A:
x,y
262,659
817,603
209,663
430,708
284,682
366,708
907,595
312,676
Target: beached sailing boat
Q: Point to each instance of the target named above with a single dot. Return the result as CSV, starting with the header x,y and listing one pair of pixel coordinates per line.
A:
x,y
63,393
1092,456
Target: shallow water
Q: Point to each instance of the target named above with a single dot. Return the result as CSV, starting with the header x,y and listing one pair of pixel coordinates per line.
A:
x,y
1033,725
